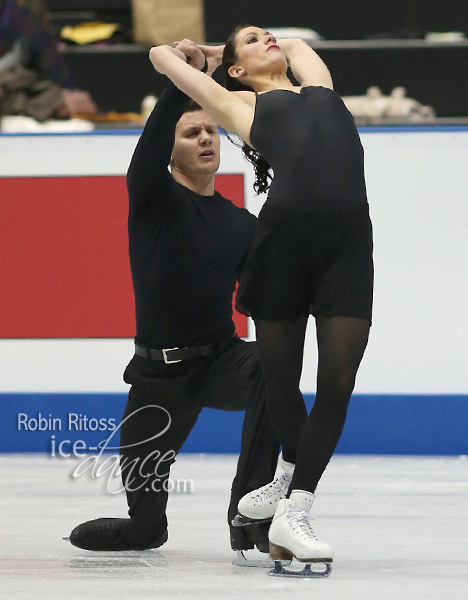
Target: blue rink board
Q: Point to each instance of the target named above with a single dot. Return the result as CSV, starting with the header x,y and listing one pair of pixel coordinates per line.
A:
x,y
376,424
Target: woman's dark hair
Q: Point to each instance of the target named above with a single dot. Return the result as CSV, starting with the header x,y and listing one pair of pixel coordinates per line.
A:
x,y
261,167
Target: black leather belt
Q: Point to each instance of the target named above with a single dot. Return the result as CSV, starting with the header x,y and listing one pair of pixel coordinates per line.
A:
x,y
173,355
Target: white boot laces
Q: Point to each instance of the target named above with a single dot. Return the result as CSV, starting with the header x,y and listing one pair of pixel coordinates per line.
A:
x,y
300,521
276,487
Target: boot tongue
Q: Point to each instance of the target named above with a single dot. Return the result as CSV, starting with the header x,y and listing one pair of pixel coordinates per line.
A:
x,y
302,499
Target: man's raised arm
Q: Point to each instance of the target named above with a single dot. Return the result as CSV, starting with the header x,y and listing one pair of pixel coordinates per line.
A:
x,y
148,177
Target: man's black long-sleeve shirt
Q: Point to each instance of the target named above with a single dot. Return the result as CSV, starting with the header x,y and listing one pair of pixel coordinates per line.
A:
x,y
185,249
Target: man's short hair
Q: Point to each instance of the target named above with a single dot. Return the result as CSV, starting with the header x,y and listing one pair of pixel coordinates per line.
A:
x,y
192,106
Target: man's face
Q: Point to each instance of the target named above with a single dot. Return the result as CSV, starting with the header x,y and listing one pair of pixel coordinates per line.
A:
x,y
196,145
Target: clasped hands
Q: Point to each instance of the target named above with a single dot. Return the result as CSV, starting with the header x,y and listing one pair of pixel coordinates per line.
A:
x,y
197,53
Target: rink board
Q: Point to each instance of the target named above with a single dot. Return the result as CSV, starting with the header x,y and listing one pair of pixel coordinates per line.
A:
x,y
63,252
65,256
406,425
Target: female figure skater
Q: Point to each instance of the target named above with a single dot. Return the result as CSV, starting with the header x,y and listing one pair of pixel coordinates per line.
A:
x,y
311,254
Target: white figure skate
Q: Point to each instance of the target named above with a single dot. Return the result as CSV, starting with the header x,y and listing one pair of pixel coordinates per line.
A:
x,y
291,536
259,505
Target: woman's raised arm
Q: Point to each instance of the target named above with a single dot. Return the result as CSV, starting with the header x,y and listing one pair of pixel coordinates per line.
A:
x,y
227,109
307,66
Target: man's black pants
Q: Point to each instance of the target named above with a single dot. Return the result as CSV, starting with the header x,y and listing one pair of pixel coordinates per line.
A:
x,y
163,406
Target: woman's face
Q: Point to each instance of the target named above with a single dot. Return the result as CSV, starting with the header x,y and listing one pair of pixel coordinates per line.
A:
x,y
257,52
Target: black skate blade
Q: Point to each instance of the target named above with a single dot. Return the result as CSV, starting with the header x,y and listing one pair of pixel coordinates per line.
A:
x,y
306,573
241,521
67,539
242,560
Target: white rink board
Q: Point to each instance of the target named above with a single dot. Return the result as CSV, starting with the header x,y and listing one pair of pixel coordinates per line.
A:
x,y
417,184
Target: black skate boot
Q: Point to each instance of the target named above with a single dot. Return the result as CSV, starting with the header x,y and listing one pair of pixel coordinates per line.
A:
x,y
105,535
247,538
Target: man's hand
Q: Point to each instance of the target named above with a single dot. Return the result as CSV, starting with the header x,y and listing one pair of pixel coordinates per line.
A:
x,y
193,52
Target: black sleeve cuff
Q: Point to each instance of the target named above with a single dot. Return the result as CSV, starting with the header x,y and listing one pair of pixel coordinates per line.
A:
x,y
204,69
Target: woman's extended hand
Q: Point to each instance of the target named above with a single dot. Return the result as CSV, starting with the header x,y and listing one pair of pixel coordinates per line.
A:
x,y
213,54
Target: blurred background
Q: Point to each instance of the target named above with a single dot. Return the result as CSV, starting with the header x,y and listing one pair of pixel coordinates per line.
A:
x,y
417,45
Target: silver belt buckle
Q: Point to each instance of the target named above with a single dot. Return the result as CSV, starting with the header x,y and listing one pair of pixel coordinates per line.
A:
x,y
164,353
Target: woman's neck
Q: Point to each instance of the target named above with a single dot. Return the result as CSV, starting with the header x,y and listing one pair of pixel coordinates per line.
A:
x,y
263,84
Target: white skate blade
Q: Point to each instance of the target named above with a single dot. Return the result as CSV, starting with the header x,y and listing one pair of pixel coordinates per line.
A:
x,y
241,521
294,570
242,560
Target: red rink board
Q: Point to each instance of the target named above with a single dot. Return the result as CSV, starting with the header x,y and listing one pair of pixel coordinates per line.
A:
x,y
64,257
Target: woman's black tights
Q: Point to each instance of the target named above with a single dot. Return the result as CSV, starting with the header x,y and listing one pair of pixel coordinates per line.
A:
x,y
309,441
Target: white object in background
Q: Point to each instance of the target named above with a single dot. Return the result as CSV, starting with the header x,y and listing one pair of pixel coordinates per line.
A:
x,y
147,105
302,33
375,105
445,36
22,124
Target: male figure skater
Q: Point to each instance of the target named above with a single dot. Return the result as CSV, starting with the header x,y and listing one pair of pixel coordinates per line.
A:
x,y
186,247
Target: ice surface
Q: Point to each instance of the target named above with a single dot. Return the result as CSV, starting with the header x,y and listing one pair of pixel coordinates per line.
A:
x,y
398,525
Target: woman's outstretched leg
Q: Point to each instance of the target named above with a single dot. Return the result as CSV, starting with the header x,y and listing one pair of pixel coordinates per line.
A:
x,y
341,345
